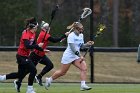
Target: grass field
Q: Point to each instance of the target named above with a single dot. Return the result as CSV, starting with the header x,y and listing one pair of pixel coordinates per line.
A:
x,y
74,88
108,67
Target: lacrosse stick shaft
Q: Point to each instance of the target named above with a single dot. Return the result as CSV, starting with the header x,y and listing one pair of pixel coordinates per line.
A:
x,y
52,17
65,38
89,47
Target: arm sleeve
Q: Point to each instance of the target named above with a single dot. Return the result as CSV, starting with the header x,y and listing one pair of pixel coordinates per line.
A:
x,y
34,46
56,39
76,52
83,45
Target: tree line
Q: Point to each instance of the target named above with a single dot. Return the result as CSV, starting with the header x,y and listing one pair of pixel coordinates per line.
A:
x,y
14,12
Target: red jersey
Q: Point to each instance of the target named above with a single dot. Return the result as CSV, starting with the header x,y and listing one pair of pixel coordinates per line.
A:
x,y
22,50
39,40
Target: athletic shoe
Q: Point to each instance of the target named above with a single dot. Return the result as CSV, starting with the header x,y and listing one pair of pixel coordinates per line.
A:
x,y
2,78
38,80
30,90
85,87
47,83
17,85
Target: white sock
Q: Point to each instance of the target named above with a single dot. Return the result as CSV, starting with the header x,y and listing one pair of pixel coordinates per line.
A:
x,y
30,87
83,83
50,79
3,77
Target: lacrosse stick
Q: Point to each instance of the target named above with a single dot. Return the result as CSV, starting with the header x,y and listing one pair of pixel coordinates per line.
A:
x,y
52,17
85,13
101,28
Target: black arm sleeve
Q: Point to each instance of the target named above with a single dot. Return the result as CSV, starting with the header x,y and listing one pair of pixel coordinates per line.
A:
x,y
56,39
33,46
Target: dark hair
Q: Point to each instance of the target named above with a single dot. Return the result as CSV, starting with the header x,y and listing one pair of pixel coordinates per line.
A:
x,y
30,22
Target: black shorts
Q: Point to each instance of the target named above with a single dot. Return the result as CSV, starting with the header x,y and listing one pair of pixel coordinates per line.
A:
x,y
21,60
35,58
42,60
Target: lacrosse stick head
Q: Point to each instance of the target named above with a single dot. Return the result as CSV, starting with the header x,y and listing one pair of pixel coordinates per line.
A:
x,y
86,12
101,28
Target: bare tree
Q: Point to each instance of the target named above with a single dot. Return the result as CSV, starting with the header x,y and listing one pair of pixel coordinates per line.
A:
x,y
39,9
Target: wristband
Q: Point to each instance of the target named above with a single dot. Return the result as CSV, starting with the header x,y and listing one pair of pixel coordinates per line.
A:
x,y
77,53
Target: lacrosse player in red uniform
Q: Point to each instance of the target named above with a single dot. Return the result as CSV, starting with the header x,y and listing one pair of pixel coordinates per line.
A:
x,y
25,65
39,56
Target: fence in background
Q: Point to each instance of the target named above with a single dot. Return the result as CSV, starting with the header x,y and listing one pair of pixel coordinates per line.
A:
x,y
96,49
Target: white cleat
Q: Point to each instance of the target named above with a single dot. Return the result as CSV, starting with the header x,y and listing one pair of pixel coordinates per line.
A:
x,y
30,90
47,83
85,87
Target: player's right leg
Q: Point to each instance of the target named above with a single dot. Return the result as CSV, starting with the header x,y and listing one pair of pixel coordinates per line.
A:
x,y
48,66
48,82
30,89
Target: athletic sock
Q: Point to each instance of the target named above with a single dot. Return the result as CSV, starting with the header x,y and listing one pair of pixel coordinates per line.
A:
x,y
83,83
4,77
30,87
50,79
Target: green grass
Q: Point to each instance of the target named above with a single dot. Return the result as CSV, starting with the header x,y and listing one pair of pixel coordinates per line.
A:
x,y
74,88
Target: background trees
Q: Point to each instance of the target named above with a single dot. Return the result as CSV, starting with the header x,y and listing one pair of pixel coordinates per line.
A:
x,y
14,12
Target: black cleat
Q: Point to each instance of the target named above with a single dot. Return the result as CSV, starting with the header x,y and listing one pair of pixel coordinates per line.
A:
x,y
38,80
17,86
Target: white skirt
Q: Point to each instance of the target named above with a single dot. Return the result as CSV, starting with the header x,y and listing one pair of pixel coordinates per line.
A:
x,y
68,58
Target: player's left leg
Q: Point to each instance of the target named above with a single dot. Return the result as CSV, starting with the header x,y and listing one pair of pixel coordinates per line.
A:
x,y
83,68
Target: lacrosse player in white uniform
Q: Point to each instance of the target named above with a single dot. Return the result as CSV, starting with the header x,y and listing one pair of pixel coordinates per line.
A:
x,y
72,56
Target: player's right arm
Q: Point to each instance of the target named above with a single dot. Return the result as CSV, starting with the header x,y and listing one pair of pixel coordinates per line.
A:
x,y
33,46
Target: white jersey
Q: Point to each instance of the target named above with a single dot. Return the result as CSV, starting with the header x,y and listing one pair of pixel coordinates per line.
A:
x,y
68,55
